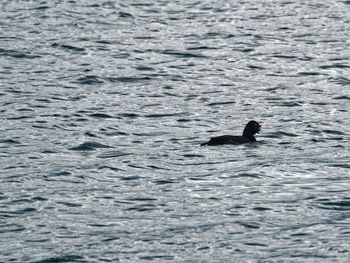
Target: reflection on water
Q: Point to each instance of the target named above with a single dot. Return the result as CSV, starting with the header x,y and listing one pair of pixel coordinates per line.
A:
x,y
104,106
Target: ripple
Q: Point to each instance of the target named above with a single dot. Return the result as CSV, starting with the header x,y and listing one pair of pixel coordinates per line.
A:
x,y
291,104
150,134
335,132
9,141
68,47
129,79
251,175
262,208
100,115
112,154
191,156
16,54
342,98
249,225
142,208
141,199
89,80
182,54
157,257
341,165
144,68
335,65
131,178
115,169
63,258
255,244
220,103
340,80
89,146
280,134
200,47
8,228
125,15
163,115
164,182
309,73
68,204
343,205
24,211
129,115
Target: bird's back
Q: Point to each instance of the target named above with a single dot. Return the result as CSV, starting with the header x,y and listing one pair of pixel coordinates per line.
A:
x,y
226,139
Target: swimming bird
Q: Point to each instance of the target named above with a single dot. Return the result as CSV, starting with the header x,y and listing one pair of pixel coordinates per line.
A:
x,y
250,129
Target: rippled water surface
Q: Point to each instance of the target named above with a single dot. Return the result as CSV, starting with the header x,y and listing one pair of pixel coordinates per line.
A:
x,y
103,107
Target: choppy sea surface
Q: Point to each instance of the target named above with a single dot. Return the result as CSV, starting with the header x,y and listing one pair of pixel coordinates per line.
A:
x,y
104,105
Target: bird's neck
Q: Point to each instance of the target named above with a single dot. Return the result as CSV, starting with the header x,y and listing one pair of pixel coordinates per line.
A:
x,y
249,135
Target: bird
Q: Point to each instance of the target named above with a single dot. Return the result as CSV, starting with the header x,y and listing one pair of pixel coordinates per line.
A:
x,y
250,129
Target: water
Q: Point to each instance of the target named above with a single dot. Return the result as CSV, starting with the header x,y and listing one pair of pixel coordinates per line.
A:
x,y
104,105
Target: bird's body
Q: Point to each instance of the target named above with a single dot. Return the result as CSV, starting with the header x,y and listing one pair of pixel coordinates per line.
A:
x,y
248,136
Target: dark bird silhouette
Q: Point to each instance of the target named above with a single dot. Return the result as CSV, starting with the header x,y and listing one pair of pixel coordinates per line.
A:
x,y
248,136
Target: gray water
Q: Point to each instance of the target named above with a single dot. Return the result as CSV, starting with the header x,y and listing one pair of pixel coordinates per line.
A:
x,y
103,107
